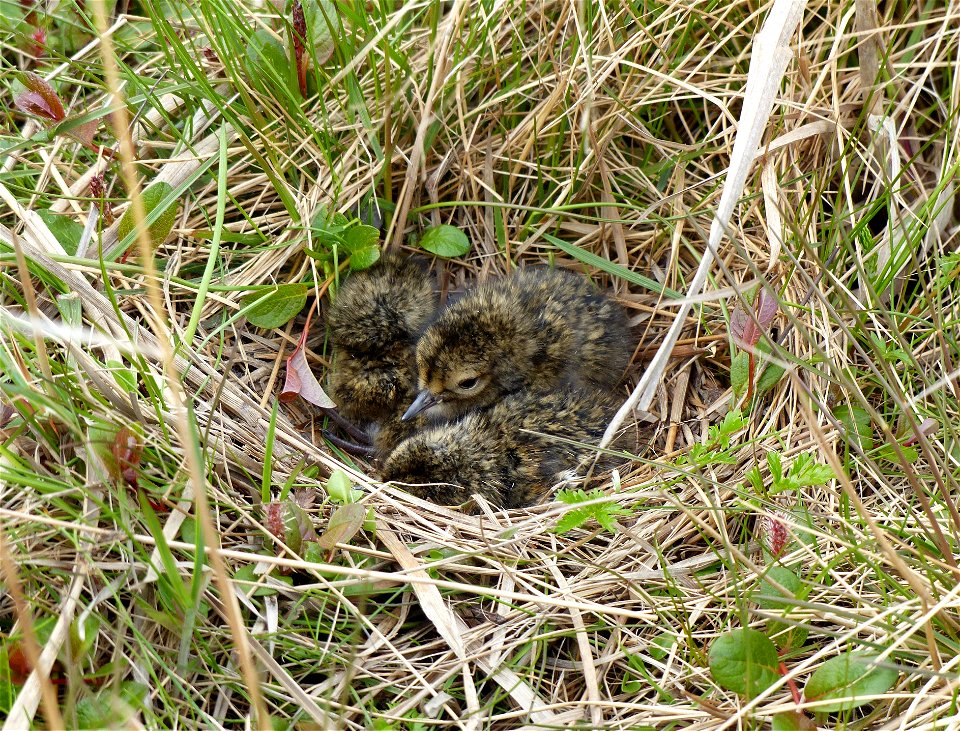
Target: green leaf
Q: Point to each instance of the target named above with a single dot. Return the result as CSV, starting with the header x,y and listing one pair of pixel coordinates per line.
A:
x,y
848,680
267,64
275,307
771,376
362,243
793,721
340,488
804,472
857,423
446,241
323,24
784,634
345,523
64,229
740,374
744,661
163,220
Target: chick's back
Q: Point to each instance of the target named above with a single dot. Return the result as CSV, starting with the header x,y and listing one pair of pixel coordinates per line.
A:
x,y
374,323
492,452
539,327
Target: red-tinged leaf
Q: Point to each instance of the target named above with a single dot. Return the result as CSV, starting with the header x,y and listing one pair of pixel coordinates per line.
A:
x,y
345,523
288,522
39,99
127,451
83,133
300,380
299,48
765,308
927,426
747,329
39,38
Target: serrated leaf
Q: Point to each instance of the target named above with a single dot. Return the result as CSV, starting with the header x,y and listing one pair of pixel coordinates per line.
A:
x,y
446,241
275,307
345,523
804,472
573,519
153,198
64,229
849,681
744,661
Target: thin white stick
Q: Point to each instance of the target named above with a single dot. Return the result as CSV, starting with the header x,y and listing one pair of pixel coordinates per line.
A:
x,y
771,53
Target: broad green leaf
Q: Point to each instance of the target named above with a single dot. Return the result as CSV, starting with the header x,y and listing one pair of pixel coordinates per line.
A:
x,y
64,229
267,64
849,681
323,25
772,375
162,225
275,307
744,661
857,422
340,488
362,242
446,241
345,523
783,634
740,374
793,721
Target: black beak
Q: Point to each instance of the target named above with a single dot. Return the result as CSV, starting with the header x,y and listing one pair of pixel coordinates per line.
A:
x,y
423,402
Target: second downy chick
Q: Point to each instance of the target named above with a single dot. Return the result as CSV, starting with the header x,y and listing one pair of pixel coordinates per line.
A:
x,y
492,451
538,328
374,324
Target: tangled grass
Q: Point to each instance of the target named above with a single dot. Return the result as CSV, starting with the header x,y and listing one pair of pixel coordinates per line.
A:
x,y
595,136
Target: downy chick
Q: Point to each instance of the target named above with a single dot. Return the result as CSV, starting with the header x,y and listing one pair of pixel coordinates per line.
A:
x,y
487,452
539,328
374,324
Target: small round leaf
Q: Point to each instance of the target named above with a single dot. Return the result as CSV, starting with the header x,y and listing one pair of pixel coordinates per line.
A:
x,y
275,307
162,226
850,681
446,241
744,661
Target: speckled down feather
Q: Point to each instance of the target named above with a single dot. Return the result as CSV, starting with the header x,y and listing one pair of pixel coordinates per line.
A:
x,y
539,328
492,451
374,324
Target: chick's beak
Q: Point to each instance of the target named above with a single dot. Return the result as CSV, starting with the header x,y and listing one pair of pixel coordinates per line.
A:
x,y
423,402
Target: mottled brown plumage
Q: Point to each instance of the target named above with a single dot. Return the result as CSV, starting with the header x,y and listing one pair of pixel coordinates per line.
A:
x,y
491,451
539,328
374,324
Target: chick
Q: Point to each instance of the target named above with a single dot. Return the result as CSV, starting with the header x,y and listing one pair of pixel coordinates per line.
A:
x,y
492,451
538,328
374,324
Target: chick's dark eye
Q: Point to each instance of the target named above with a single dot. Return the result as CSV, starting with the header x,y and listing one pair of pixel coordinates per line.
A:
x,y
467,383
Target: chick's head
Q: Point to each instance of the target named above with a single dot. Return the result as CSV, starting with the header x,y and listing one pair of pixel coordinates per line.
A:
x,y
470,359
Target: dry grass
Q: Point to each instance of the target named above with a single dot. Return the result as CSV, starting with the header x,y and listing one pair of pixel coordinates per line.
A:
x,y
608,127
